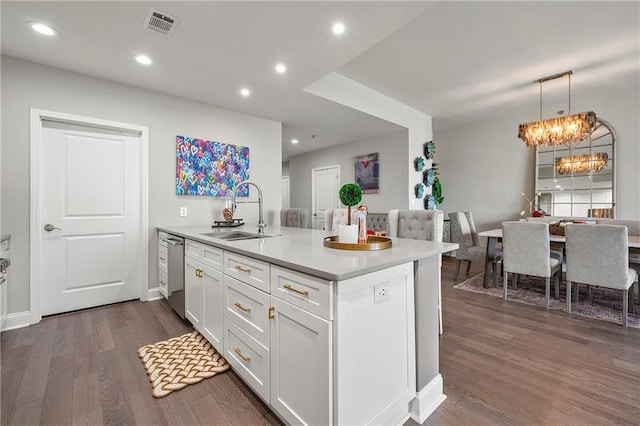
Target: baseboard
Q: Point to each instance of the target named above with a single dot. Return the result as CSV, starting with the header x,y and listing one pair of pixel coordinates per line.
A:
x,y
17,320
153,294
427,400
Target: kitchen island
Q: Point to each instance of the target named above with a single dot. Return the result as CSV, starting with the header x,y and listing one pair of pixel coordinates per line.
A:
x,y
324,336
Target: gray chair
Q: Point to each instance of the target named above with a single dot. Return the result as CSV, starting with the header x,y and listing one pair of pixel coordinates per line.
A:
x,y
296,218
633,227
463,232
526,251
416,224
377,222
419,225
598,255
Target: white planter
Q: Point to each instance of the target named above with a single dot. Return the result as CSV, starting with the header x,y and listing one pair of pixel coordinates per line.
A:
x,y
348,234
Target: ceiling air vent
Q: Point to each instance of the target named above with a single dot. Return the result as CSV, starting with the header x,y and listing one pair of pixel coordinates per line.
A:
x,y
160,22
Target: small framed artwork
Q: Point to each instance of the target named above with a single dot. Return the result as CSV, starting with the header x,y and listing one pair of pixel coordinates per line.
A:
x,y
367,173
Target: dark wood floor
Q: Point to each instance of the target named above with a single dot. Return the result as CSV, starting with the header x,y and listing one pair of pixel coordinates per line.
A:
x,y
502,363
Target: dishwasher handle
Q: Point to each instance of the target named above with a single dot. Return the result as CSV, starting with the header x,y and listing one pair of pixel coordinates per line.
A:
x,y
173,242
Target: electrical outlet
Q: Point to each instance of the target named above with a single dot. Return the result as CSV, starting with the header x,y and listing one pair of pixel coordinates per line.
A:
x,y
380,293
183,212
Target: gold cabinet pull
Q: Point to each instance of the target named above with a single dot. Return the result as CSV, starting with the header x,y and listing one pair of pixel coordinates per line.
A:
x,y
272,312
162,258
199,273
245,358
162,282
242,308
241,269
302,292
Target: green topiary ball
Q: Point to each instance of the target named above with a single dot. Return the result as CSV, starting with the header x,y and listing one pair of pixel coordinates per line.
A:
x,y
350,194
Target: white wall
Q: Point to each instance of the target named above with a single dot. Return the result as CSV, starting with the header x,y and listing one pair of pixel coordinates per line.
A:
x,y
484,167
344,91
28,85
392,149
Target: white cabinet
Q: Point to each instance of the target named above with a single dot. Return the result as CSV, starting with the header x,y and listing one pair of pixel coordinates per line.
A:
x,y
204,291
300,365
4,282
281,349
247,327
317,351
193,288
162,263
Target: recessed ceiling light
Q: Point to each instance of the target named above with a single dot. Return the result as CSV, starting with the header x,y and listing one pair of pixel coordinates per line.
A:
x,y
338,28
281,68
245,92
143,59
294,141
42,28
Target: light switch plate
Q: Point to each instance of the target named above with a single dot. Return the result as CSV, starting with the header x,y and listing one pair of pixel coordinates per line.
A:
x,y
183,212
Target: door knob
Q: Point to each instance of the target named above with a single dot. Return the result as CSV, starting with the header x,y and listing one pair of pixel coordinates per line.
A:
x,y
49,227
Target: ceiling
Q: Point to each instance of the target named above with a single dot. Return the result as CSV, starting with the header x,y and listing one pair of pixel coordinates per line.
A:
x,y
458,62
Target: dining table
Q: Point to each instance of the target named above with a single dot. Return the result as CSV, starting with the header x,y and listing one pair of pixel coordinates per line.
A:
x,y
495,235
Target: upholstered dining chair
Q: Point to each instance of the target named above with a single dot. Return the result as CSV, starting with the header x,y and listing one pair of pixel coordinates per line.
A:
x,y
335,217
598,255
463,232
633,228
419,225
296,218
526,251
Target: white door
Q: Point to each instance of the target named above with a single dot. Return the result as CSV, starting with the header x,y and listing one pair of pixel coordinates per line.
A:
x,y
286,189
324,192
90,189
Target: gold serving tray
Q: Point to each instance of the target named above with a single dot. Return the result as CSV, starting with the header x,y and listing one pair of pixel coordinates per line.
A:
x,y
373,243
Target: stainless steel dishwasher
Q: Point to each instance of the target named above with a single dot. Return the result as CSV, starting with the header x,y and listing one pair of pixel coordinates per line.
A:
x,y
175,273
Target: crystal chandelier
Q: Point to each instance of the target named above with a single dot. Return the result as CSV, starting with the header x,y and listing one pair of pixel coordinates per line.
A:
x,y
567,129
587,163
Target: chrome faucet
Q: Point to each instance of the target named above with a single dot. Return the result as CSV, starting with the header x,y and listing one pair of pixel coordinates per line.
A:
x,y
261,224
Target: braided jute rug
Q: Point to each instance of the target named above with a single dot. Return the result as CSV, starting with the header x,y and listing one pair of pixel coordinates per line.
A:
x,y
181,361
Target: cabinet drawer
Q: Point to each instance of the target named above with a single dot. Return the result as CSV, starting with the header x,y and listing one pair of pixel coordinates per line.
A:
x,y
162,257
251,271
249,359
161,237
208,255
162,282
304,291
248,308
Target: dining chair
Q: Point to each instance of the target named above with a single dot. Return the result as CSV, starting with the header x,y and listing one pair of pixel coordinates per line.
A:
x,y
296,218
633,228
463,232
598,255
378,222
419,225
526,251
335,217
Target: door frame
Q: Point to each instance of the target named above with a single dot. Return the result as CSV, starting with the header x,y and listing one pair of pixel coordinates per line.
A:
x,y
288,180
313,188
35,209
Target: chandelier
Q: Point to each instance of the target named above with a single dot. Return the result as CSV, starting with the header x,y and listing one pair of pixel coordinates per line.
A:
x,y
566,129
587,163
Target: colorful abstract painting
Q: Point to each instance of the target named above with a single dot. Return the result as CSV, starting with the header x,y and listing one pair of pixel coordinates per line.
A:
x,y
210,168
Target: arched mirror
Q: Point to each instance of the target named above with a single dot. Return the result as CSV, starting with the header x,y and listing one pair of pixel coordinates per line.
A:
x,y
578,180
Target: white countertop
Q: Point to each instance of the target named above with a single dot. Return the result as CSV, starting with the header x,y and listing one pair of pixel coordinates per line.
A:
x,y
303,250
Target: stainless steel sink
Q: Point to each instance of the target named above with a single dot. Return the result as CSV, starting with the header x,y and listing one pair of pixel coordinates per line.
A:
x,y
235,235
